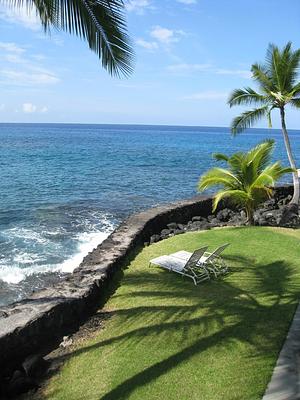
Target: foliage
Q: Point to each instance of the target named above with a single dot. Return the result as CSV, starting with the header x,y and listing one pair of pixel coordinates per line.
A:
x,y
247,180
101,23
277,84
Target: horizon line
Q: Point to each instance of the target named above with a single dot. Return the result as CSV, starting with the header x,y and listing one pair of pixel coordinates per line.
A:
x,y
137,124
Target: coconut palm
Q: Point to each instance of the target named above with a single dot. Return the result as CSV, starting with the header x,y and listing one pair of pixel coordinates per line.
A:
x,y
101,23
278,85
248,180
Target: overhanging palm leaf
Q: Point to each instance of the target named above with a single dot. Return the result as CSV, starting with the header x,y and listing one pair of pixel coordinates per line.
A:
x,y
248,118
245,96
278,87
99,22
248,177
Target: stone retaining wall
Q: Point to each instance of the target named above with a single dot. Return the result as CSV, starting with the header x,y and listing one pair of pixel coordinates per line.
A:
x,y
38,323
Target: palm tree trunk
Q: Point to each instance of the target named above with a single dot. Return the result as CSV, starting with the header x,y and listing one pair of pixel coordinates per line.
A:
x,y
295,199
250,216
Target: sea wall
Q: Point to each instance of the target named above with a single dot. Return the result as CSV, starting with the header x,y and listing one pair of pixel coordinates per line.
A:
x,y
39,322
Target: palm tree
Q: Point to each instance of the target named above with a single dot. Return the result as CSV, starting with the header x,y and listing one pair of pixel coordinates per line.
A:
x,y
278,87
101,23
248,178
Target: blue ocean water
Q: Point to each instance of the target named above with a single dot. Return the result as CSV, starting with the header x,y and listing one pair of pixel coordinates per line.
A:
x,y
63,188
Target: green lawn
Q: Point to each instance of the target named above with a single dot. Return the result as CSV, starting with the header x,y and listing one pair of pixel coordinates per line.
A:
x,y
167,339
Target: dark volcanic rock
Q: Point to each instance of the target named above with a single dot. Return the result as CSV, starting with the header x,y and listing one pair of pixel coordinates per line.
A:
x,y
165,233
172,226
197,218
224,215
178,231
154,239
290,215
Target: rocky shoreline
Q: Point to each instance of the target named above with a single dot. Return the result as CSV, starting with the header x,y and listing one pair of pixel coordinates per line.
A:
x,y
270,213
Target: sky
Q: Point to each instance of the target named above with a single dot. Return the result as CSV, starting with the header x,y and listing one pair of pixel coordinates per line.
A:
x,y
189,55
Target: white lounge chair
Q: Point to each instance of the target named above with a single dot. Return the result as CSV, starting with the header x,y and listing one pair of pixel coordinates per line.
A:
x,y
187,267
212,262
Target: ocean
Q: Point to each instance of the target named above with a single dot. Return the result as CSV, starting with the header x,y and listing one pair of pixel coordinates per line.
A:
x,y
65,187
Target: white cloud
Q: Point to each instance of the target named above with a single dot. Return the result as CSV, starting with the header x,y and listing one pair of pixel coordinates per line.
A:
x,y
138,6
11,48
44,109
188,2
165,35
22,69
23,15
207,95
29,108
29,78
2,107
147,44
238,72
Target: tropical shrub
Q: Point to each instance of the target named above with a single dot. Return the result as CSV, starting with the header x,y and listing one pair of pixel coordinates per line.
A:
x,y
248,180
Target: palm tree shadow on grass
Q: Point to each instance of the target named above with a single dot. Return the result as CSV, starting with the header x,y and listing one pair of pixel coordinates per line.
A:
x,y
244,305
273,280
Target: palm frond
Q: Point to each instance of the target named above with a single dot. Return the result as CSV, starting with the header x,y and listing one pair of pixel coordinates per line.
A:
x,y
271,174
236,196
218,176
260,155
248,119
261,74
295,90
283,66
275,65
220,157
101,23
295,102
246,96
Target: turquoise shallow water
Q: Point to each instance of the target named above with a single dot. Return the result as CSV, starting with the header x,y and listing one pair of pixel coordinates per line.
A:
x,y
63,188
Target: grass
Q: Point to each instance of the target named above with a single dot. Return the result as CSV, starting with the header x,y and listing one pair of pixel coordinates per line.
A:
x,y
168,339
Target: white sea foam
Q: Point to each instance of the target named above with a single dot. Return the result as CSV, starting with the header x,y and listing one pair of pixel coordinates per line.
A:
x,y
26,264
25,234
87,242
